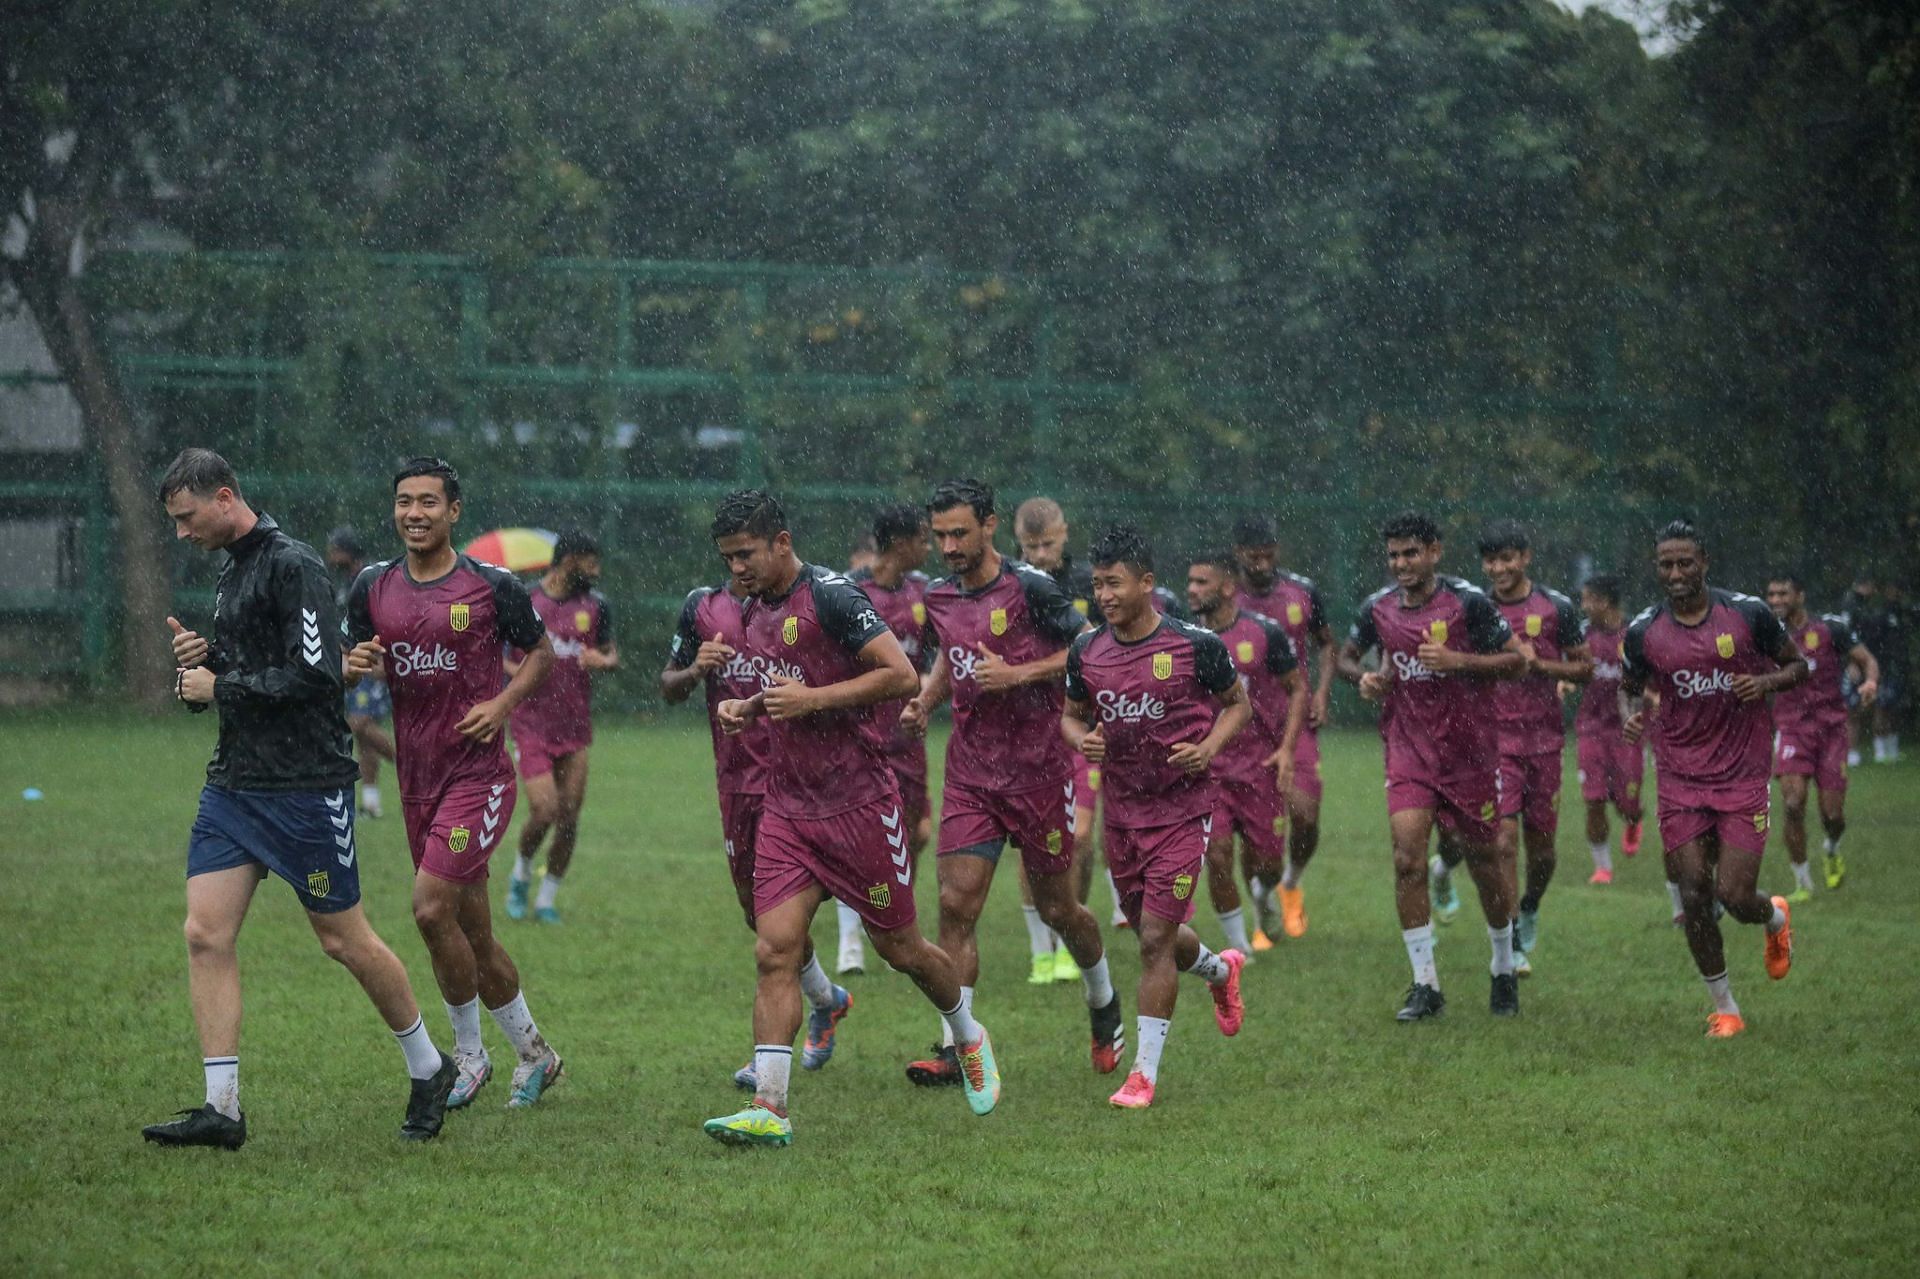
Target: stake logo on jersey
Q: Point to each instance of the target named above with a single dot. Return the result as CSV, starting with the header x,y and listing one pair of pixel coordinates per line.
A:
x,y
411,659
740,761
1117,706
903,608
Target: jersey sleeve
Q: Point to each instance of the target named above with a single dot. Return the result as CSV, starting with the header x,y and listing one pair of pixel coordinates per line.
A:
x,y
1487,628
1281,659
356,625
306,665
1364,636
603,629
1571,623
1211,665
1316,611
1769,635
686,632
846,614
1634,668
1053,613
513,611
1076,682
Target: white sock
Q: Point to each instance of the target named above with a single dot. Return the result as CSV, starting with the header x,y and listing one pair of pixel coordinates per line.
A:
x,y
522,869
1502,939
370,798
1803,874
1777,921
466,1028
1113,891
1722,995
1602,855
1039,937
1420,954
959,1019
772,1063
223,1084
1879,749
516,1023
1853,759
549,889
1832,844
1234,924
1209,966
815,984
423,1059
1290,877
1150,1038
849,923
1673,895
1098,983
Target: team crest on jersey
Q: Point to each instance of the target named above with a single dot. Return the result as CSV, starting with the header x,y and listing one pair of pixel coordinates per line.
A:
x,y
1244,650
1055,842
459,616
1723,644
790,630
1081,605
1533,625
582,620
997,621
317,883
457,839
1295,615
1163,665
919,614
880,896
1182,887
1437,630
1813,640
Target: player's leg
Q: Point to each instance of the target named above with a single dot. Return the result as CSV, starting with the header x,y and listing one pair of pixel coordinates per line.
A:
x,y
569,778
1593,758
1793,805
937,974
1302,841
1690,870
780,939
497,981
1223,891
541,787
1542,859
1489,862
1040,938
1169,947
1080,931
1442,893
1625,784
1263,862
1831,777
965,875
217,904
1411,828
1742,837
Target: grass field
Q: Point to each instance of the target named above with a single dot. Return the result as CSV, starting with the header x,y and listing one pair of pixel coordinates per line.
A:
x,y
1598,1133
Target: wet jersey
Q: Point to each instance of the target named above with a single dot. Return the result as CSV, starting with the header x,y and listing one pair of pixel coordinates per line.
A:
x,y
904,609
1435,725
1599,712
1528,708
1263,657
1820,702
739,763
560,711
1294,602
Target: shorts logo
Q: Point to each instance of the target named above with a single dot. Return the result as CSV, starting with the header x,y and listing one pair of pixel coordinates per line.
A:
x,y
1295,615
457,839
1760,822
1163,665
880,896
1244,650
1093,779
1533,625
1813,640
1437,630
1723,644
1055,842
997,621
790,630
1280,825
317,883
1182,887
919,614
1487,811
459,616
582,620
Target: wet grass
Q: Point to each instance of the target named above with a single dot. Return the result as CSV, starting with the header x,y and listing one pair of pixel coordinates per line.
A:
x,y
1599,1133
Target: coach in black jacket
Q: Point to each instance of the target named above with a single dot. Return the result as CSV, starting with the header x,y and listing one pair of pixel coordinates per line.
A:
x,y
278,795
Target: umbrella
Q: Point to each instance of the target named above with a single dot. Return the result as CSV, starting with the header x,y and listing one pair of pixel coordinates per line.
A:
x,y
519,549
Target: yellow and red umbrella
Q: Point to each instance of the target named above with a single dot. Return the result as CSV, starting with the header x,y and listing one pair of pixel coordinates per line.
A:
x,y
520,549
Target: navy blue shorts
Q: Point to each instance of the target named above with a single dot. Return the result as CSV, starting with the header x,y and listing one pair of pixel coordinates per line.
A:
x,y
370,698
304,837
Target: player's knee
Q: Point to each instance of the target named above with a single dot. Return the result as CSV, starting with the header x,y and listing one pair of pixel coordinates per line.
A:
x,y
1409,863
205,937
340,947
433,915
777,954
957,907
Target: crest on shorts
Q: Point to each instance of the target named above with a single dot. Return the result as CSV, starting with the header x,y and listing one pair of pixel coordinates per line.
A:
x,y
1437,630
880,896
1055,842
1487,811
1163,665
997,621
459,616
1295,615
919,614
1280,824
1760,821
790,630
1533,625
457,839
317,883
582,620
1813,640
1182,887
1723,644
1244,650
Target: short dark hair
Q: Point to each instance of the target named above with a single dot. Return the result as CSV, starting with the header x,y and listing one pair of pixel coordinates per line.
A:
x,y
1502,535
1414,524
896,523
754,512
201,472
1605,585
345,539
1788,576
415,468
1681,530
574,541
963,491
1219,557
1252,530
1121,544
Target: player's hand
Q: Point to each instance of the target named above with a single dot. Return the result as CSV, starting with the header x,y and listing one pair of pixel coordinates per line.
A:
x,y
484,722
1317,710
991,673
1533,659
734,715
1562,689
1438,658
1282,763
1632,726
365,658
189,649
1374,685
195,684
713,654
1747,688
1867,691
913,718
1094,745
1191,757
787,698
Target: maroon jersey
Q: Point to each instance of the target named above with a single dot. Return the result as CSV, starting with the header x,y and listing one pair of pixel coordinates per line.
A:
x,y
1008,741
1435,725
1294,602
1262,656
904,610
1148,697
831,761
445,640
1528,708
560,711
739,763
1599,713
1704,738
1821,701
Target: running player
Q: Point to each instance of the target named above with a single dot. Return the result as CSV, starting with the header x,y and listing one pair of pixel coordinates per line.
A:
x,y
1154,700
898,590
440,622
999,630
1255,771
1533,736
1611,768
277,793
1811,720
1294,602
1713,656
553,728
367,701
832,824
1441,642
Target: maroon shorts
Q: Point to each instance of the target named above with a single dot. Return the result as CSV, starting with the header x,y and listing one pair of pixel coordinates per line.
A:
x,y
452,835
535,755
913,798
1611,768
1738,819
1253,809
859,857
1155,868
1306,765
739,824
1467,804
1530,790
1816,751
1038,822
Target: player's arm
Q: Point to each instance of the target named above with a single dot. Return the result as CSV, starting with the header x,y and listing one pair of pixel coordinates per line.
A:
x,y
1214,670
1771,638
1327,662
1869,666
936,686
1634,674
690,658
521,627
306,662
364,652
1576,664
1055,617
1077,723
1496,653
849,619
603,654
